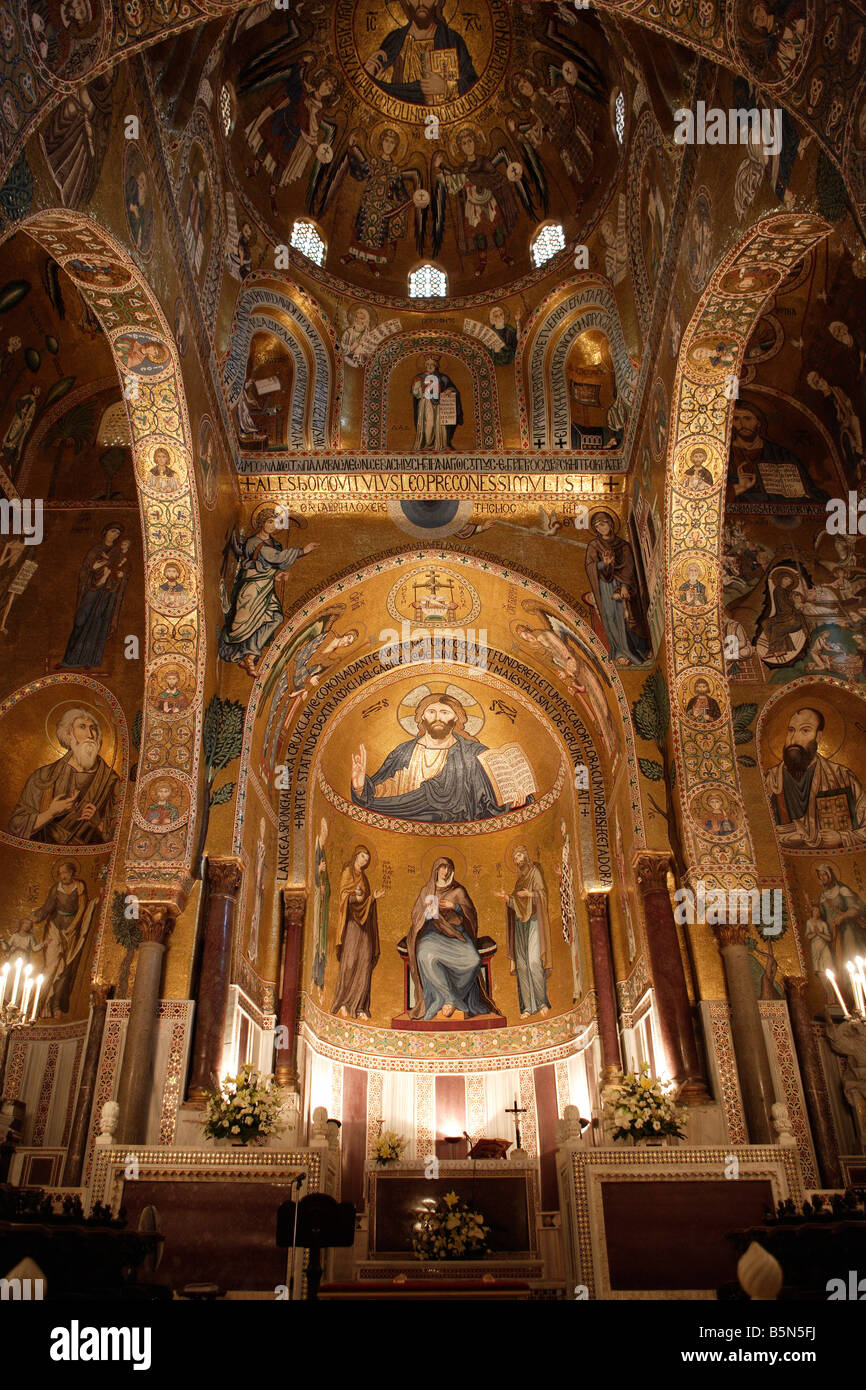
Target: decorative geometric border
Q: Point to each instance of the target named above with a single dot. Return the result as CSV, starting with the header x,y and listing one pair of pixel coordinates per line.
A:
x,y
199,1165
257,306
180,1012
590,304
592,1168
718,1013
356,1045
775,1011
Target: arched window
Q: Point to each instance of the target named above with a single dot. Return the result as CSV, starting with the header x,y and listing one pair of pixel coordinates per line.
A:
x,y
549,240
428,282
227,112
619,116
306,239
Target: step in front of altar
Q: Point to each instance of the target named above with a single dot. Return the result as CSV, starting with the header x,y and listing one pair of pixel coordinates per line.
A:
x,y
457,1279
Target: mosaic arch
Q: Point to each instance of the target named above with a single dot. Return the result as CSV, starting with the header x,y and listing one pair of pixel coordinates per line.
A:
x,y
711,355
377,382
541,358
198,135
314,414
147,363
647,162
831,109
332,723
315,605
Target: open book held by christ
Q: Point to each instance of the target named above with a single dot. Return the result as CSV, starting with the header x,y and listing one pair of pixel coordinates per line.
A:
x,y
509,772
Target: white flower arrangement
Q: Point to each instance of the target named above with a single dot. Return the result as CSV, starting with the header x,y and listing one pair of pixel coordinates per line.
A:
x,y
643,1107
389,1147
450,1231
244,1109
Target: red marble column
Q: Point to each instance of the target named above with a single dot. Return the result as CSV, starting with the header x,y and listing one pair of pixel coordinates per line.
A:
x,y
293,906
814,1081
77,1147
605,986
224,878
668,978
156,922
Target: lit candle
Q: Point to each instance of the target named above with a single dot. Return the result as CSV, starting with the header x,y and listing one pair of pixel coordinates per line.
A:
x,y
832,978
37,992
855,986
18,964
28,987
4,976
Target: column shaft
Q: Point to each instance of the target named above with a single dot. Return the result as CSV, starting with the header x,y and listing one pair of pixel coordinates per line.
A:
x,y
224,878
77,1148
814,1082
136,1072
747,1031
673,1006
293,906
605,985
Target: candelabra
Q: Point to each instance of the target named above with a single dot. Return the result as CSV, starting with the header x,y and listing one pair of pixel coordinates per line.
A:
x,y
856,969
20,1009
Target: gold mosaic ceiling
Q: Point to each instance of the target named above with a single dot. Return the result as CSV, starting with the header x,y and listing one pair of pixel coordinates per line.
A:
x,y
408,133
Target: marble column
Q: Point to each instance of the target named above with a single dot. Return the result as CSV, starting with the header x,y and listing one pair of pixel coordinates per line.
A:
x,y
814,1081
673,1008
605,986
293,905
77,1148
747,1031
156,921
224,878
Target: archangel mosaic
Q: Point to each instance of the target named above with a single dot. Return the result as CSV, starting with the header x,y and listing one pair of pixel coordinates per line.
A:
x,y
433,637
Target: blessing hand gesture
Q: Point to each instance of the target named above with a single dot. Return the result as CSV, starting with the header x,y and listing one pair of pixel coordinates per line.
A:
x,y
359,769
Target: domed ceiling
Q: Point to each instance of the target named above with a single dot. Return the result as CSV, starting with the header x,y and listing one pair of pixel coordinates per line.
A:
x,y
411,132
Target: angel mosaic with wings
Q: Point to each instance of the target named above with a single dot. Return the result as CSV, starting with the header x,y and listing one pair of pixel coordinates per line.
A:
x,y
486,196
392,189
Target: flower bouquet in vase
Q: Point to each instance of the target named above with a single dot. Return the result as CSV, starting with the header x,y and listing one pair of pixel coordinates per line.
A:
x,y
389,1147
643,1109
244,1110
448,1230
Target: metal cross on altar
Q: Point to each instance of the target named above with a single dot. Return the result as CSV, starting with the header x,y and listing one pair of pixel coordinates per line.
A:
x,y
516,1110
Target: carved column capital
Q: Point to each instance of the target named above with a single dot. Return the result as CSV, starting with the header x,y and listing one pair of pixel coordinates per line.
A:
x,y
224,877
156,922
596,904
100,993
294,901
651,869
732,934
797,985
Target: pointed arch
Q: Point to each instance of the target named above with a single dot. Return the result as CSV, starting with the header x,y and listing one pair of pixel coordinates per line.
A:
x,y
264,307
380,369
704,394
145,355
582,303
316,603
199,132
